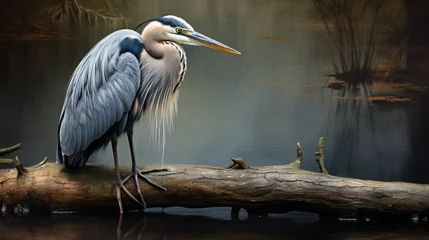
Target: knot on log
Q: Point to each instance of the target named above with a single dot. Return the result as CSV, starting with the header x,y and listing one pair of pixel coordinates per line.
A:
x,y
238,163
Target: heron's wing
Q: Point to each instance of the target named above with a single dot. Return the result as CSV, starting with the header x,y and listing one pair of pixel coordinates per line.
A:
x,y
102,90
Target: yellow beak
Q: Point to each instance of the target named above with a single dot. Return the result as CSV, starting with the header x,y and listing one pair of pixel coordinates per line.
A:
x,y
211,43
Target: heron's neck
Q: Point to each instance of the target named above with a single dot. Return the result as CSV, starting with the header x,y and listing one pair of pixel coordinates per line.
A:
x,y
154,48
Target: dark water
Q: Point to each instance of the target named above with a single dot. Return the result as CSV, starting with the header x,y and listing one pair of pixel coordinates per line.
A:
x,y
253,106
167,227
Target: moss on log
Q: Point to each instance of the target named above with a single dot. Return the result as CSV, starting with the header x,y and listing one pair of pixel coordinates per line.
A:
x,y
259,190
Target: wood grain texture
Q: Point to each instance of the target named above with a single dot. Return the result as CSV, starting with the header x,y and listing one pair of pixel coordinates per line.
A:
x,y
260,190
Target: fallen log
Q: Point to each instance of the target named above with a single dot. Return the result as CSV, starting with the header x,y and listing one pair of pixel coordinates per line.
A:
x,y
259,190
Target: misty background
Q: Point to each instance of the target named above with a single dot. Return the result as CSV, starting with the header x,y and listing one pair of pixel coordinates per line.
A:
x,y
257,105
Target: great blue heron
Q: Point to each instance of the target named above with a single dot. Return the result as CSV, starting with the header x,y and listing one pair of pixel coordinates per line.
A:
x,y
125,76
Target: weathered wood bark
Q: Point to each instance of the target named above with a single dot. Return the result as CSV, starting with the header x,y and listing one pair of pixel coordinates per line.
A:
x,y
260,190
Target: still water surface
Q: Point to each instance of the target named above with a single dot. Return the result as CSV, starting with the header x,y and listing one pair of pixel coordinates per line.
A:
x,y
167,226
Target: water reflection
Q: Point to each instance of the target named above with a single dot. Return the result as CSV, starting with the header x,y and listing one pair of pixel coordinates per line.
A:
x,y
158,226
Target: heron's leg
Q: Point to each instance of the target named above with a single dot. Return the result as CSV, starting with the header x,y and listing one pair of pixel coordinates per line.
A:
x,y
133,166
139,173
119,182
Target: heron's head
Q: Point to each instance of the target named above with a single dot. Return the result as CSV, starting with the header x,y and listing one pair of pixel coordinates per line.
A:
x,y
176,29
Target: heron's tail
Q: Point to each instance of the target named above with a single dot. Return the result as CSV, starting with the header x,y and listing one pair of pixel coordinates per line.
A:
x,y
76,162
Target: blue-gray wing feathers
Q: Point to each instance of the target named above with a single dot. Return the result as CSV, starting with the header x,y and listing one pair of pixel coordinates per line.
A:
x,y
100,96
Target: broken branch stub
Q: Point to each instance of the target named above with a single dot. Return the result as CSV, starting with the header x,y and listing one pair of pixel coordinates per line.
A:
x,y
4,151
15,162
321,156
238,163
299,158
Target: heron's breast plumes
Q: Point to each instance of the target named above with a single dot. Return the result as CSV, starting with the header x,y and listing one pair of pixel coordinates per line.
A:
x,y
159,116
159,100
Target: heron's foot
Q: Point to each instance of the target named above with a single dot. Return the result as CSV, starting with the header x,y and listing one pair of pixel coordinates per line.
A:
x,y
140,173
119,186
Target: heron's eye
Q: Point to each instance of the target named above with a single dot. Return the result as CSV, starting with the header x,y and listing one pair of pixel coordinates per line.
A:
x,y
178,30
